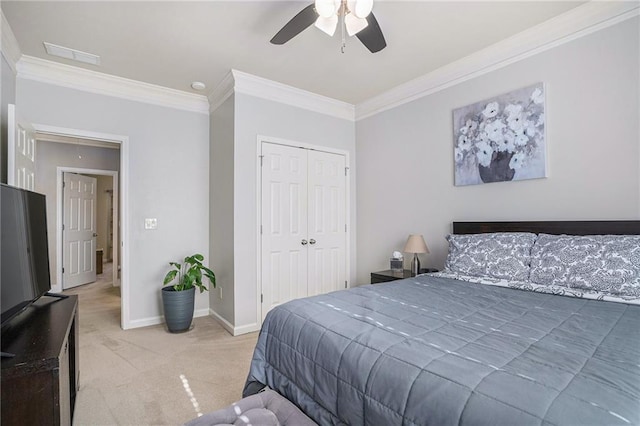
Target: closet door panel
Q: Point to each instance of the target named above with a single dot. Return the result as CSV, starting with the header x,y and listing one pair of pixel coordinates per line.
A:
x,y
327,222
284,225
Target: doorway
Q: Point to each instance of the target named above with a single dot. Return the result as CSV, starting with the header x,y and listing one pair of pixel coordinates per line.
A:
x,y
84,141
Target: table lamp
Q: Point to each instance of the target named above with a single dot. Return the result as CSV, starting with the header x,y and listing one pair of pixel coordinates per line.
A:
x,y
415,244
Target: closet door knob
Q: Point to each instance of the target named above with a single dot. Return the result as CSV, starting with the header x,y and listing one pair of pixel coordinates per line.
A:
x,y
303,242
312,241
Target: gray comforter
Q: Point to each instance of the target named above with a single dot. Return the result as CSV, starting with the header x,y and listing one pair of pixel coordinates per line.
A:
x,y
436,351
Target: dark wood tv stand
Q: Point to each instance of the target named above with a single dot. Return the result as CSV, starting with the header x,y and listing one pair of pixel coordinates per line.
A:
x,y
39,383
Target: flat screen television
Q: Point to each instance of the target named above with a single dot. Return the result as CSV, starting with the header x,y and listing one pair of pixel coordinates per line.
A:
x,y
24,249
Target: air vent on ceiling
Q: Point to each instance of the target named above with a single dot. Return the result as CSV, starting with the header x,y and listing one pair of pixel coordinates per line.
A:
x,y
74,55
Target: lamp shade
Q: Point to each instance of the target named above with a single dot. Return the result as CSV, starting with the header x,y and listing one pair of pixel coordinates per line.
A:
x,y
415,244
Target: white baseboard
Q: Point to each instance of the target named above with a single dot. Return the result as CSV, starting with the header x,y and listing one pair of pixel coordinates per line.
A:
x,y
234,331
223,322
201,312
145,322
244,329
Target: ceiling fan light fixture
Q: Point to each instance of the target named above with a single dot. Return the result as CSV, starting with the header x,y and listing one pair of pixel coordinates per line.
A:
x,y
327,8
354,24
352,15
360,8
327,25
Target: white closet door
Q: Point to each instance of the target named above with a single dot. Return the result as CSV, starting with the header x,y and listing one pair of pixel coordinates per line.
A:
x,y
79,230
303,242
327,222
284,224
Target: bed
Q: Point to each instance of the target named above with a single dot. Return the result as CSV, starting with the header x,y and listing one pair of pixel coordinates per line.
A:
x,y
549,334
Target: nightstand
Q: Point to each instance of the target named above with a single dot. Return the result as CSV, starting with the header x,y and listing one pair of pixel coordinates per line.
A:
x,y
391,275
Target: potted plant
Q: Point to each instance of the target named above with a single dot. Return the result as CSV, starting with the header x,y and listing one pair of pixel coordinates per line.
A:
x,y
178,299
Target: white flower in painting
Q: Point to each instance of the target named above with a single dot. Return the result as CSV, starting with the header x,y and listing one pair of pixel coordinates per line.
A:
x,y
513,110
506,145
517,161
483,137
516,122
529,128
494,130
491,110
537,96
464,143
509,136
459,154
521,139
484,153
540,121
469,127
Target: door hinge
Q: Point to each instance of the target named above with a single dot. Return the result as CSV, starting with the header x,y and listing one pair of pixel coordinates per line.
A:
x,y
261,158
345,284
64,184
63,226
262,298
63,270
345,170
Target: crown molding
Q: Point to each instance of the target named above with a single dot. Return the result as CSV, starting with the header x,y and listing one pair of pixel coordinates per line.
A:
x,y
578,22
9,44
222,92
44,71
241,82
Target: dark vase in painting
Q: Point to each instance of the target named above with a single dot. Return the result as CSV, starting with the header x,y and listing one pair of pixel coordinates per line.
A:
x,y
498,170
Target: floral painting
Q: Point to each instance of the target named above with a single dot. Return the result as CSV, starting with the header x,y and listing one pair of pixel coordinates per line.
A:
x,y
501,139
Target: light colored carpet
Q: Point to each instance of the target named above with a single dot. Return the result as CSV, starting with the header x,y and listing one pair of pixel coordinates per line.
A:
x,y
148,376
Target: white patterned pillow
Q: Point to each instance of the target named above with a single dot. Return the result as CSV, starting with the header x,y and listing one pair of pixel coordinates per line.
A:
x,y
608,264
503,255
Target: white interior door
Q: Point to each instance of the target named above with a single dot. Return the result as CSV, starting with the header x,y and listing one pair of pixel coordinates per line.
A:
x,y
284,225
303,217
21,152
327,223
78,230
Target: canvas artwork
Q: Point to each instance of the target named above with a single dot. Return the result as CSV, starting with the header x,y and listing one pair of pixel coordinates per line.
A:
x,y
501,139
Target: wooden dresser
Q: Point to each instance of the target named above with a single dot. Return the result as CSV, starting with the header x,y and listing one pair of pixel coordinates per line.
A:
x,y
39,384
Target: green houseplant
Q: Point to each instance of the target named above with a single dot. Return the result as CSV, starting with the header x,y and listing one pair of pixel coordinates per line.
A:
x,y
178,298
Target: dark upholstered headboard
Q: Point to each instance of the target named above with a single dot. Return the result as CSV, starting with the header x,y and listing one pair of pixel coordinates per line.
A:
x,y
590,227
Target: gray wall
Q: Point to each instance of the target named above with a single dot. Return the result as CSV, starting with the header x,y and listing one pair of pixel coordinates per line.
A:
x,y
50,155
405,155
7,96
168,179
221,209
256,116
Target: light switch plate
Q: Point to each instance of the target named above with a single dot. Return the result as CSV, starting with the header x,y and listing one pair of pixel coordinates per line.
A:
x,y
151,223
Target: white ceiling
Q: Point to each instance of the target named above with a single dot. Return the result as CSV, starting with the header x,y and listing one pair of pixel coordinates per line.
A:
x,y
174,43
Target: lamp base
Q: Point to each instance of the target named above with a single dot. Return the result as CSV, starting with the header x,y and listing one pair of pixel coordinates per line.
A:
x,y
415,265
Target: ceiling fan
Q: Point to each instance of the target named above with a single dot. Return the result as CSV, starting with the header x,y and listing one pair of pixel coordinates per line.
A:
x,y
354,16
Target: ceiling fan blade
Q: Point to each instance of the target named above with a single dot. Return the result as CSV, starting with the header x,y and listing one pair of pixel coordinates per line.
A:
x,y
304,19
372,36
